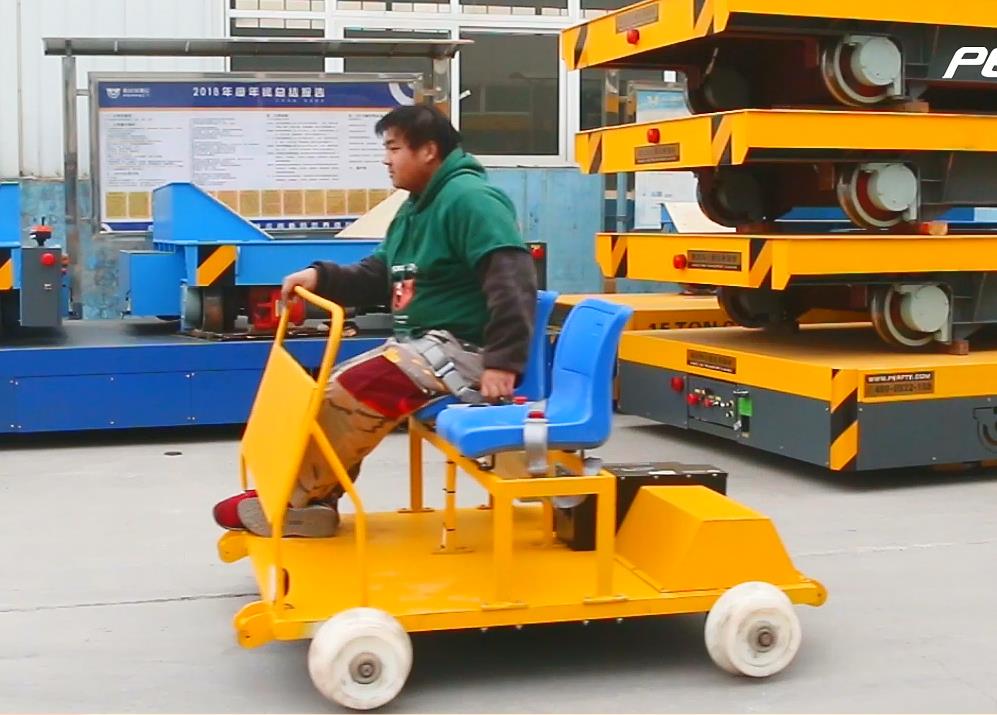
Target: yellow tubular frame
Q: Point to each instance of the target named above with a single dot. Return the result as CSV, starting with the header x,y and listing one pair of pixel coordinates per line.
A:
x,y
503,491
316,433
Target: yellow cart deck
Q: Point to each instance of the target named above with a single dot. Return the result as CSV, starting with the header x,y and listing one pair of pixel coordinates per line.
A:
x,y
670,28
668,311
776,261
829,395
428,588
777,135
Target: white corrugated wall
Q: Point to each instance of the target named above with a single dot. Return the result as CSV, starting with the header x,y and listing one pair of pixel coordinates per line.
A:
x,y
31,83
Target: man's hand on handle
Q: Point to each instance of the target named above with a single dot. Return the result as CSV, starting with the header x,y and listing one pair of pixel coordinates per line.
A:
x,y
307,279
497,383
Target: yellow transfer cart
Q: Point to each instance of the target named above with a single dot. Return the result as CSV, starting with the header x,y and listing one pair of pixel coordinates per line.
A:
x,y
359,594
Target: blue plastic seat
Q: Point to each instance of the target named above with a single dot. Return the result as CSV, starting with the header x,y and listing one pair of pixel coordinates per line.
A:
x,y
535,383
579,409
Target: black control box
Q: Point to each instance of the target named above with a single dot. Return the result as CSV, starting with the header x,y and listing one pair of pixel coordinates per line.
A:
x,y
576,526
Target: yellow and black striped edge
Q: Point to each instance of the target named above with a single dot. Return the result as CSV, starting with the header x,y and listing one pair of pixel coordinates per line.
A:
x,y
702,18
844,406
614,257
216,265
598,41
685,143
760,263
618,256
721,137
6,269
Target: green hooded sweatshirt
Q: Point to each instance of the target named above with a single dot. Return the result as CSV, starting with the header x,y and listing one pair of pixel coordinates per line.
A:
x,y
434,244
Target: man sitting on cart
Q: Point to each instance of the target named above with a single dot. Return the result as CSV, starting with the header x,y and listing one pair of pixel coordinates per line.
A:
x,y
462,290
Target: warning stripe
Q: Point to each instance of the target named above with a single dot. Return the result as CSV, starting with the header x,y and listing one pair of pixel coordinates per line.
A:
x,y
760,263
6,269
596,163
583,35
216,265
618,256
702,13
844,420
721,125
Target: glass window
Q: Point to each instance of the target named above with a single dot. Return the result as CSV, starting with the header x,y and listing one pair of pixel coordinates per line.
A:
x,y
593,89
510,107
276,63
424,66
515,7
592,8
394,5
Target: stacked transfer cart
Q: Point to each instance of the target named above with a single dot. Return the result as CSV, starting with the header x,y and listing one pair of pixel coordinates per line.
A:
x,y
881,112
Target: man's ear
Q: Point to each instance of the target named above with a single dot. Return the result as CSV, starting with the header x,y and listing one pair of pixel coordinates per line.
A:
x,y
432,151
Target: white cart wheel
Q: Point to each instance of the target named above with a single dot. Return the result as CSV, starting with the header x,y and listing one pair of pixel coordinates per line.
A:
x,y
753,630
360,658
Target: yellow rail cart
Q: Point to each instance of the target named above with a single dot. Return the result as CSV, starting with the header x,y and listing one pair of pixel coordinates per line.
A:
x,y
682,548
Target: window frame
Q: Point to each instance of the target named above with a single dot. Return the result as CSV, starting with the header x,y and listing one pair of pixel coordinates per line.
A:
x,y
453,23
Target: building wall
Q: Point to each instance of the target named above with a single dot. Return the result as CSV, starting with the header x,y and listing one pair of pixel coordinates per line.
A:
x,y
31,113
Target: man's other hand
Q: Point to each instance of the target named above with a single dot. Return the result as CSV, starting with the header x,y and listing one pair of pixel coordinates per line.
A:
x,y
307,279
497,383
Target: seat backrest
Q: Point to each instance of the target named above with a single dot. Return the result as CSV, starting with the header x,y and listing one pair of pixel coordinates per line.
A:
x,y
581,392
535,384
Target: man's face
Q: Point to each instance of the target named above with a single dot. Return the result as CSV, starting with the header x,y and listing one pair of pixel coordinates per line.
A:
x,y
409,169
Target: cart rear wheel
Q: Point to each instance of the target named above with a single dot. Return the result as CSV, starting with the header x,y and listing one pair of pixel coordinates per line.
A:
x,y
360,658
753,630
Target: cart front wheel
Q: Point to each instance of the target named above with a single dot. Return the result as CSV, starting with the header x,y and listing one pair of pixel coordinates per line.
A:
x,y
360,658
753,630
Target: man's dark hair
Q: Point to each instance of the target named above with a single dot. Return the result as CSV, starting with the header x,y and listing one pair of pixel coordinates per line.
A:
x,y
419,124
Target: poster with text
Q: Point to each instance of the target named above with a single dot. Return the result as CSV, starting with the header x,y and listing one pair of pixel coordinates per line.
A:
x,y
283,154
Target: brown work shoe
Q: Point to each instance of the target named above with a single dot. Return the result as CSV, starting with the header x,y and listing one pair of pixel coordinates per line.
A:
x,y
314,521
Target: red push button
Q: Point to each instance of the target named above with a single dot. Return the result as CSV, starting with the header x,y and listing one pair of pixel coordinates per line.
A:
x,y
633,36
680,261
678,384
693,399
653,135
48,259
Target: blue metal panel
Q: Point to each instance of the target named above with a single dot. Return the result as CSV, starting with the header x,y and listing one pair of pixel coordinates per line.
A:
x,y
7,423
17,256
78,402
150,282
268,263
183,212
120,382
223,396
10,214
562,208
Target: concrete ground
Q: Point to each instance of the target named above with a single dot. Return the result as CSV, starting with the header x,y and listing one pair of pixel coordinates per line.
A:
x,y
112,599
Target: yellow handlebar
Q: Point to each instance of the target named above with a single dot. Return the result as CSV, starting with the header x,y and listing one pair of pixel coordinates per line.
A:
x,y
318,301
335,330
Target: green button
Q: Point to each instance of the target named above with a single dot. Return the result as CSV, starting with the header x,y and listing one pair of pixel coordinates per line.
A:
x,y
744,406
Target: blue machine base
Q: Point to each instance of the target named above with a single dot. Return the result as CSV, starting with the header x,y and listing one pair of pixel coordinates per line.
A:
x,y
97,375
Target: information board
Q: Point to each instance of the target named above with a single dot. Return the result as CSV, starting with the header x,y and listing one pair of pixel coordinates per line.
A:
x,y
282,152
